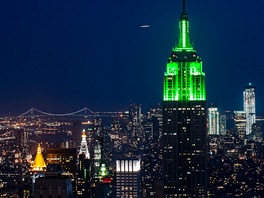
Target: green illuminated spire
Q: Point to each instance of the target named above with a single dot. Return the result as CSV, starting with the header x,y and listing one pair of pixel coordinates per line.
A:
x,y
184,37
184,79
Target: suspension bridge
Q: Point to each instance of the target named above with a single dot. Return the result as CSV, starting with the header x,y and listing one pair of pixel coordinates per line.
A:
x,y
85,112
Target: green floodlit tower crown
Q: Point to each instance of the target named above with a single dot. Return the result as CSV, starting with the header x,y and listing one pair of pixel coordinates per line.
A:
x,y
184,79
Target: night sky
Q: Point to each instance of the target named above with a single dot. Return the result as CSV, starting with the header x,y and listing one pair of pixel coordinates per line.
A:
x,y
60,56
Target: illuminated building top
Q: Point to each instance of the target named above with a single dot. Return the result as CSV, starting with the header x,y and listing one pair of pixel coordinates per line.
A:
x,y
184,79
39,162
84,148
129,165
103,170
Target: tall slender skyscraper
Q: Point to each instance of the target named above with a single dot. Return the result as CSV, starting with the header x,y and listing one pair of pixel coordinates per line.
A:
x,y
84,169
184,120
249,107
213,120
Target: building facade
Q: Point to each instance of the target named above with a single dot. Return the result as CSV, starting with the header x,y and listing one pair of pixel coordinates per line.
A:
x,y
222,124
184,120
128,178
83,177
66,158
240,123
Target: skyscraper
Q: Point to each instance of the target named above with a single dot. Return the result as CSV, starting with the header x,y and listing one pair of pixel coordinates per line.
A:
x,y
38,167
213,120
83,176
240,123
84,169
249,107
128,178
184,120
222,124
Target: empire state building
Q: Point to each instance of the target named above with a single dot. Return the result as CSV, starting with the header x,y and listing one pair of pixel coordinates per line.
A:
x,y
184,120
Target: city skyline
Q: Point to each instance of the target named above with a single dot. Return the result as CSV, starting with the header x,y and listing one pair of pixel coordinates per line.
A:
x,y
61,56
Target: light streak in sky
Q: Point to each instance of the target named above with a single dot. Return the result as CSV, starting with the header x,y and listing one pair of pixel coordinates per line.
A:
x,y
144,26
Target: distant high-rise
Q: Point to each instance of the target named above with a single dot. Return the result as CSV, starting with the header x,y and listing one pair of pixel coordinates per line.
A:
x,y
249,107
240,123
184,120
213,120
97,154
135,117
96,161
222,124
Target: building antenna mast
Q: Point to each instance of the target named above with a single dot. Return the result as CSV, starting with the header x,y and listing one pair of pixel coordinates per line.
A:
x,y
183,6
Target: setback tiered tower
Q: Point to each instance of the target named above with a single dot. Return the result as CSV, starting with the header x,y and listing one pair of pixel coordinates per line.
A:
x,y
184,120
